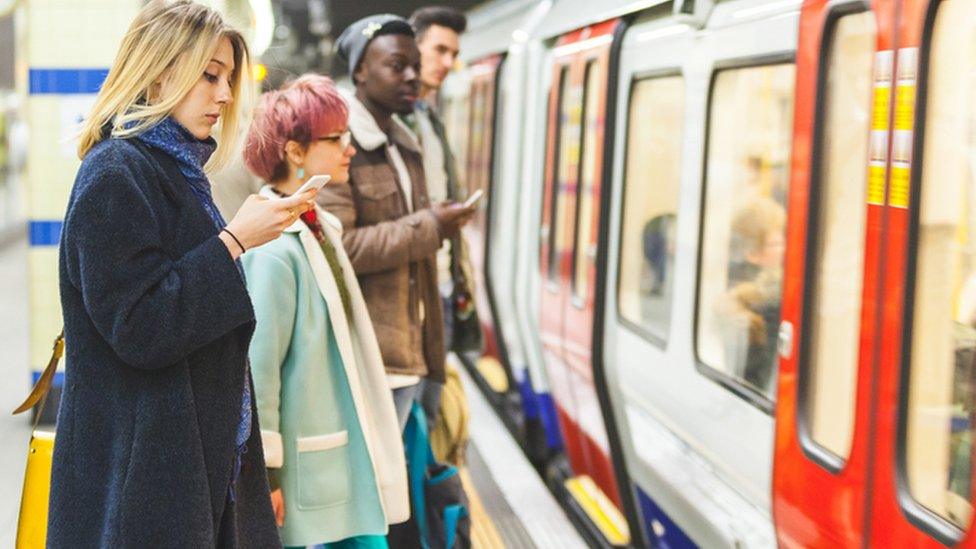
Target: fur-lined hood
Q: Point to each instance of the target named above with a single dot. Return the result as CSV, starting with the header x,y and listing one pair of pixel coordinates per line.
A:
x,y
368,133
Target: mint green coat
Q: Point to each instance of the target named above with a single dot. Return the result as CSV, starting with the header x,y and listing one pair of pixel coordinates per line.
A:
x,y
324,404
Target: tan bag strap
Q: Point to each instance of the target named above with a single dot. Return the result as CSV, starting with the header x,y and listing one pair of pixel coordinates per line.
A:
x,y
43,384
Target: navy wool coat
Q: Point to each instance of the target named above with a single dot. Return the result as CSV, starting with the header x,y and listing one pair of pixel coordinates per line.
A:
x,y
157,328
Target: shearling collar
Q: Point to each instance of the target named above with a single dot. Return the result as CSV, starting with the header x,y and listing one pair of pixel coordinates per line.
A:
x,y
368,133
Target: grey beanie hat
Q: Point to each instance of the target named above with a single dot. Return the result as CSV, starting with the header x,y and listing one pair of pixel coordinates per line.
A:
x,y
351,44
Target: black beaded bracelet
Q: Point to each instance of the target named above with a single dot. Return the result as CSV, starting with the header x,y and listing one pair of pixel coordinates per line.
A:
x,y
243,249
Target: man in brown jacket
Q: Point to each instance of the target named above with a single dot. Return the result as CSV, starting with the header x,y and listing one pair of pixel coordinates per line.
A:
x,y
390,231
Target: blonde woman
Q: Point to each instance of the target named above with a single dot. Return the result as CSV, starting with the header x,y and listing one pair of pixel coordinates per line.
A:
x,y
158,443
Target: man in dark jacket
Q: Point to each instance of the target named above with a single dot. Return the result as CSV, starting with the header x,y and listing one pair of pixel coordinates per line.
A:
x,y
391,231
439,31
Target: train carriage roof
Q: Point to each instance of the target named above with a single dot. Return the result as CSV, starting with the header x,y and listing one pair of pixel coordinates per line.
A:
x,y
568,15
494,26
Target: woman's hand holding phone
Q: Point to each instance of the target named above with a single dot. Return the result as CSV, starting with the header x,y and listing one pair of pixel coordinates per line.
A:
x,y
315,183
262,220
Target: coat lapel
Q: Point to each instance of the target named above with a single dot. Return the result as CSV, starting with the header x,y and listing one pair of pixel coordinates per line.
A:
x,y
330,292
364,369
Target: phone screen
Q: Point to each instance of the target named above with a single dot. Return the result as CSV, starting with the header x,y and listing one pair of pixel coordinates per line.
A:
x,y
474,198
316,182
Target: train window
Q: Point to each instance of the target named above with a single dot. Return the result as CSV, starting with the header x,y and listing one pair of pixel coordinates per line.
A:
x,y
743,226
587,176
480,137
456,116
565,149
941,391
838,229
650,204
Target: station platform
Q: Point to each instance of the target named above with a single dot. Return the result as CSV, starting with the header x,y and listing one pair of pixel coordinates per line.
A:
x,y
15,371
510,504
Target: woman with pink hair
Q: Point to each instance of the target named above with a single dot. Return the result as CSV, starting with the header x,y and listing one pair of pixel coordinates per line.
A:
x,y
329,430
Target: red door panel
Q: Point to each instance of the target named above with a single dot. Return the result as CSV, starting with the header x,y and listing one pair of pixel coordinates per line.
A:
x,y
819,497
479,167
551,253
568,259
898,519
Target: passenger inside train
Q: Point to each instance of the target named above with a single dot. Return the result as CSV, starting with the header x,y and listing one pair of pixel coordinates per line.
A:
x,y
750,310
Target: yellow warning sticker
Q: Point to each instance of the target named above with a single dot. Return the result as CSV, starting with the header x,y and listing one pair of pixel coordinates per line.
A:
x,y
876,184
880,110
905,106
883,66
903,135
900,178
882,104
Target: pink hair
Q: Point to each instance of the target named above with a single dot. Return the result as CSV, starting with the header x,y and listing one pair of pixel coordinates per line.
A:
x,y
304,109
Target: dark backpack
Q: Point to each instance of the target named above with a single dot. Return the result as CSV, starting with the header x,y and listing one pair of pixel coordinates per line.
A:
x,y
439,518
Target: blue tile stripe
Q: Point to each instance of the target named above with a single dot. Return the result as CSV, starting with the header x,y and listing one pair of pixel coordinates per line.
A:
x,y
57,382
66,81
44,232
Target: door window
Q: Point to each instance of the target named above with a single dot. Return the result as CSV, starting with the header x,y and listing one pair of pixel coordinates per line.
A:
x,y
583,254
566,157
941,395
743,230
838,226
650,204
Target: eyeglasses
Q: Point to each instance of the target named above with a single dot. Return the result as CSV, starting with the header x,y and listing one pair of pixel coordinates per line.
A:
x,y
344,139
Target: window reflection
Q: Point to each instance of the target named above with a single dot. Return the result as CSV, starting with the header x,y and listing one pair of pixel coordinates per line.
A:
x,y
650,203
838,224
743,231
941,395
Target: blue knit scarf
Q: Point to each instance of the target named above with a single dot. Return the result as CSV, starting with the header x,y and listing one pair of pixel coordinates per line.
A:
x,y
191,154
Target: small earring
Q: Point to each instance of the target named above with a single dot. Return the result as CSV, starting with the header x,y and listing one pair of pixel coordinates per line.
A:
x,y
301,174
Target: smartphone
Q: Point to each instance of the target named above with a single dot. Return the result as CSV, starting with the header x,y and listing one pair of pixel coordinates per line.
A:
x,y
315,182
474,198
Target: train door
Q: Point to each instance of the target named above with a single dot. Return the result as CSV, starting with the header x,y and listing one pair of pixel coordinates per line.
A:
x,y
484,73
570,222
921,488
831,274
706,142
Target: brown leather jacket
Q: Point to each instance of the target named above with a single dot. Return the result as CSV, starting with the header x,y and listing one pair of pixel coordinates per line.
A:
x,y
392,250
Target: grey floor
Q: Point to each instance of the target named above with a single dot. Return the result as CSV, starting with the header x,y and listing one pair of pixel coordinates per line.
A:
x,y
14,370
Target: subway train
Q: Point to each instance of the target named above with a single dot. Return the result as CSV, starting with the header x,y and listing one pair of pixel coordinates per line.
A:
x,y
726,268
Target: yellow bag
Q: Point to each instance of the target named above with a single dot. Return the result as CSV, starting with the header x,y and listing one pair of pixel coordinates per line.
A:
x,y
32,525
449,438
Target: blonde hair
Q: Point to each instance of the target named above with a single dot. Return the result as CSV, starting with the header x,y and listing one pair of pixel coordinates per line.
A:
x,y
175,39
754,223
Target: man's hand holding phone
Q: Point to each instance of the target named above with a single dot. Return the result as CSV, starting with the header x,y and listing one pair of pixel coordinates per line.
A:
x,y
452,216
474,198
